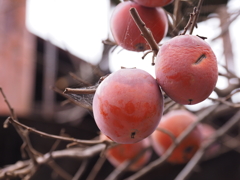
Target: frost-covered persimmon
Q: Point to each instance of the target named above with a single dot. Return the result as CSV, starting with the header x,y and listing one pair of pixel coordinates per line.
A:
x,y
127,34
186,69
153,3
128,105
175,122
127,152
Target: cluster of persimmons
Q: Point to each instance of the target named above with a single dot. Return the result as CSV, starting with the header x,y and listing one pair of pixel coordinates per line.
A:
x,y
128,104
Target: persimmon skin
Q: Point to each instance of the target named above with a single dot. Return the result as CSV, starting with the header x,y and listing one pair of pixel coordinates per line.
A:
x,y
176,122
207,132
128,105
126,152
186,69
153,3
127,34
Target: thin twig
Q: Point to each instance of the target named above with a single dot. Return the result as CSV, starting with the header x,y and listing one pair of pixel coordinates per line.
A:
x,y
69,139
222,100
79,91
23,168
81,170
233,93
145,54
26,146
189,23
59,170
96,168
51,163
8,104
12,171
125,165
169,133
195,18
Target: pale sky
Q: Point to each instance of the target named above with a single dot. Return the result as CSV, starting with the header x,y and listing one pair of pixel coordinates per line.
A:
x,y
76,25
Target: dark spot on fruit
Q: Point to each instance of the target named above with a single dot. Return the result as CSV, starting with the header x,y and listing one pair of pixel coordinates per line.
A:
x,y
190,101
188,149
133,134
140,47
187,153
200,59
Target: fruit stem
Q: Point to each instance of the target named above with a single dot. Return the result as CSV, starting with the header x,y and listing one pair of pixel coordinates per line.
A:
x,y
146,32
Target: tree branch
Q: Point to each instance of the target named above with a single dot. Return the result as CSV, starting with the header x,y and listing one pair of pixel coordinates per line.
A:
x,y
78,141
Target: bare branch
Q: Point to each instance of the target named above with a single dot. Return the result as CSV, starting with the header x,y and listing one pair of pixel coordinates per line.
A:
x,y
81,170
96,168
78,141
23,168
234,105
61,172
125,165
169,133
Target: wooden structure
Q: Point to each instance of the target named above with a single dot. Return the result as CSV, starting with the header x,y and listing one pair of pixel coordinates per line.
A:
x,y
17,61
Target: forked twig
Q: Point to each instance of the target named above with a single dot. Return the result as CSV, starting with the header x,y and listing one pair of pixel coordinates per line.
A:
x,y
192,22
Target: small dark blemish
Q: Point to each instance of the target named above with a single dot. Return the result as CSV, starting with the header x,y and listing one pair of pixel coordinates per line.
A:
x,y
190,101
140,47
199,60
188,149
133,134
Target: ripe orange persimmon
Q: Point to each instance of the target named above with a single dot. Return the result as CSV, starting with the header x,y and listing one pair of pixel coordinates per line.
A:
x,y
153,3
127,34
186,69
175,122
126,152
128,105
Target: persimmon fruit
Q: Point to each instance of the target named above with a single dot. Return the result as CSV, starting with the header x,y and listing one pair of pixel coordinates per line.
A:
x,y
175,122
127,152
128,105
186,69
207,133
153,3
126,33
